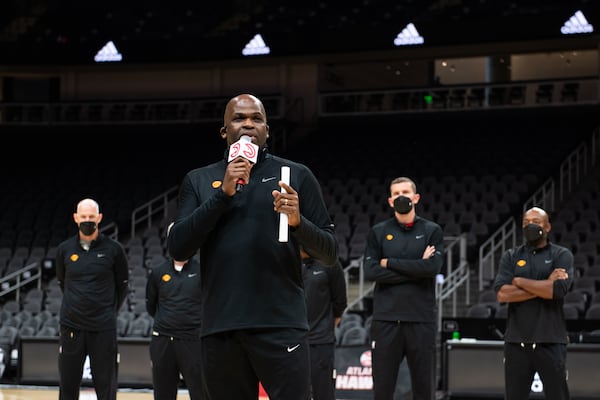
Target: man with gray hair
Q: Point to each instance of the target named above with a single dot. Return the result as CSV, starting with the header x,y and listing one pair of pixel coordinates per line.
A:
x,y
92,272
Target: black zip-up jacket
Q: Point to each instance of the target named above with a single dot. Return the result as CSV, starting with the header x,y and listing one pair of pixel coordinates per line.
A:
x,y
93,282
326,299
536,320
173,299
249,278
405,290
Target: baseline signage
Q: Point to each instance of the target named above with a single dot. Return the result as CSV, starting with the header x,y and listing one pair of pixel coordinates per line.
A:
x,y
354,379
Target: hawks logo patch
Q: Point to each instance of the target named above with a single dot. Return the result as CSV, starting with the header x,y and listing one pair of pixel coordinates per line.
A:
x,y
216,184
74,257
166,278
521,263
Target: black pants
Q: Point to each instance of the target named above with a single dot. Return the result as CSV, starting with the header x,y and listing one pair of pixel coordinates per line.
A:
x,y
170,357
391,342
322,371
75,346
521,362
234,362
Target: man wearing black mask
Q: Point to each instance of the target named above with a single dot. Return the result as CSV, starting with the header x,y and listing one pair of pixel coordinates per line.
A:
x,y
403,256
533,279
92,272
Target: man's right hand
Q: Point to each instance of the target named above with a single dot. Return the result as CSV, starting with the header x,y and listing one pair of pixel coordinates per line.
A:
x,y
236,169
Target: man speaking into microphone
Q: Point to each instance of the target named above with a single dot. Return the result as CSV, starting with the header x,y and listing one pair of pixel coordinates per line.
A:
x,y
254,325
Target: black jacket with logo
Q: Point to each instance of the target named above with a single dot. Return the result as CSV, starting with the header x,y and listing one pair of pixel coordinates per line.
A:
x,y
249,278
536,320
93,282
173,299
405,290
326,299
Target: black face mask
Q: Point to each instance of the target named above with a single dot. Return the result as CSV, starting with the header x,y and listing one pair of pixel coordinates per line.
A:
x,y
403,205
533,233
87,227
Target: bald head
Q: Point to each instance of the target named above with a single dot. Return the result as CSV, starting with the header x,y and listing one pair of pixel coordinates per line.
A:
x,y
536,213
244,101
88,206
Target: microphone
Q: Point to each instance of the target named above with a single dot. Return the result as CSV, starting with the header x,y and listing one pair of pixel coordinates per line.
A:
x,y
243,148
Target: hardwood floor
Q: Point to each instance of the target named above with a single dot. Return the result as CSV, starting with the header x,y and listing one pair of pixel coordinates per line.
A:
x,y
14,392
51,393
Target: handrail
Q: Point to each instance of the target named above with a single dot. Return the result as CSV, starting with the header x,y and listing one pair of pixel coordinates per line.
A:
x,y
543,197
490,250
202,110
16,280
362,293
449,285
595,146
450,98
571,171
457,273
457,268
123,112
111,230
147,211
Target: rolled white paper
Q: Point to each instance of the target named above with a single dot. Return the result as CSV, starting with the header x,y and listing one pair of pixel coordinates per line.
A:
x,y
283,217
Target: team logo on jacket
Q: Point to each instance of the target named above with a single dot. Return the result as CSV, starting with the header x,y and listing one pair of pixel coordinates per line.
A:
x,y
216,184
521,263
389,236
74,257
166,278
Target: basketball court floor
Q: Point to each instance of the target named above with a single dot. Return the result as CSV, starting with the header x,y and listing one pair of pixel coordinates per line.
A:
x,y
13,392
51,393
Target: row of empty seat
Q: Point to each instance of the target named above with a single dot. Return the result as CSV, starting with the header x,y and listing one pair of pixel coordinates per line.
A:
x,y
582,302
353,330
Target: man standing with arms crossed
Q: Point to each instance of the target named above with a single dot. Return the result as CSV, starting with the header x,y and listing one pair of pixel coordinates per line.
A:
x,y
403,256
533,279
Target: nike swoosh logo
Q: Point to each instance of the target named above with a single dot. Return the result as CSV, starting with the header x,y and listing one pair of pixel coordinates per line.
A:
x,y
268,179
290,349
547,261
100,255
317,272
419,236
191,275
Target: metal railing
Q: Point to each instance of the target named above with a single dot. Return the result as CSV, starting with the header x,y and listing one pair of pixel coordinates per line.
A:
x,y
363,290
14,281
456,98
544,197
111,230
124,112
571,172
457,275
489,252
146,214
